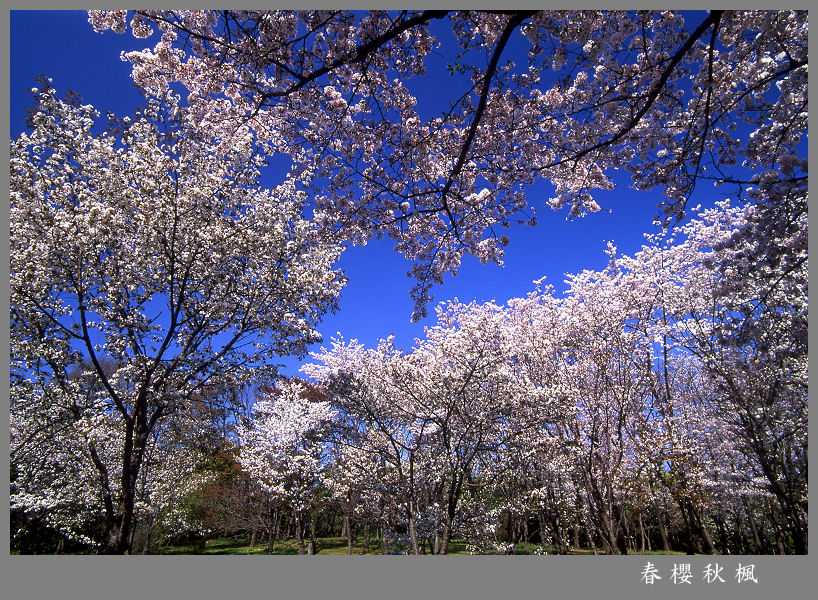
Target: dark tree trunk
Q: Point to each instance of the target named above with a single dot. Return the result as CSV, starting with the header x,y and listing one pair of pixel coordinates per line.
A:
x,y
759,545
723,546
641,532
663,532
451,511
348,530
780,538
299,531
707,539
313,542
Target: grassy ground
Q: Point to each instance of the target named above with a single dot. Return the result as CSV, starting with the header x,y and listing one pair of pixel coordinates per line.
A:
x,y
334,546
326,546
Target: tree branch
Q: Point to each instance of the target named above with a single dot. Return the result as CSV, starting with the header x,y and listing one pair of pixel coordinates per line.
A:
x,y
360,53
512,24
711,19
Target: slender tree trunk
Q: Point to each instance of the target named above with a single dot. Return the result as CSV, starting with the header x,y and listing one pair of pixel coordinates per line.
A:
x,y
641,532
136,435
451,505
559,537
691,542
648,535
719,520
738,535
366,536
147,545
447,533
707,539
591,535
313,542
348,530
628,539
780,540
299,531
543,527
413,535
759,546
663,532
133,534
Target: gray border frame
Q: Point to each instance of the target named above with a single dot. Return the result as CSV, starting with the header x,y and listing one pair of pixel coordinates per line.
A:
x,y
202,577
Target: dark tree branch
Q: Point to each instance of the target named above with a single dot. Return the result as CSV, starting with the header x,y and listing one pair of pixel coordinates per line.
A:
x,y
359,54
512,24
711,19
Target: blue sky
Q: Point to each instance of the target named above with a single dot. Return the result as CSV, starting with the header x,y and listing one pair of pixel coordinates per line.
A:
x,y
376,302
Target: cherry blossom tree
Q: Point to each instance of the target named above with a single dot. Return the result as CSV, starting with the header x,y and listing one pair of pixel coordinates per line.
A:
x,y
729,383
753,346
377,421
441,416
650,396
284,448
69,476
667,390
152,257
677,100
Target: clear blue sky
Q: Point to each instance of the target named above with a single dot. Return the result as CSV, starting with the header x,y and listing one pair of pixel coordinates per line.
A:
x,y
375,303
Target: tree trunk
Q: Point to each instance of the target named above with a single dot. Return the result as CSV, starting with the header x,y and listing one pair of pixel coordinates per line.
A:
x,y
147,545
722,533
663,532
313,542
707,539
137,430
366,537
413,534
559,538
348,530
759,546
451,509
447,534
641,532
780,538
543,527
738,535
299,531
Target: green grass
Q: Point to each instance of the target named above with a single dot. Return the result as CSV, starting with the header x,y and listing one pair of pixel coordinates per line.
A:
x,y
326,547
331,546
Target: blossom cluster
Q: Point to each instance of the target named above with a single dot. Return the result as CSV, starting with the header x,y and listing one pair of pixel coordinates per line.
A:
x,y
717,98
641,389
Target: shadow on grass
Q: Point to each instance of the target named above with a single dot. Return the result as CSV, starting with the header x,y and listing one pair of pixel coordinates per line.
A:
x,y
331,546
